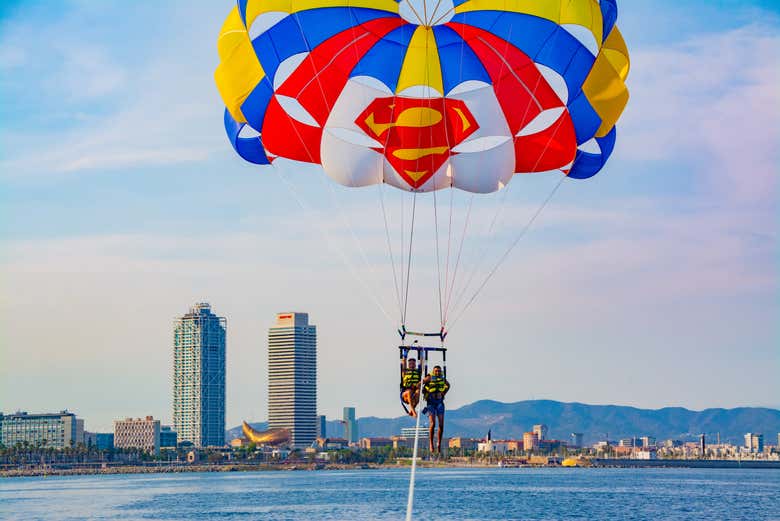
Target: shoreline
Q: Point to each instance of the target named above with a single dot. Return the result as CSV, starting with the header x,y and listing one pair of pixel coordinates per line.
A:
x,y
265,467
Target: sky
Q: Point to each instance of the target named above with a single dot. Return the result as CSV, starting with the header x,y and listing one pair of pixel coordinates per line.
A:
x,y
122,204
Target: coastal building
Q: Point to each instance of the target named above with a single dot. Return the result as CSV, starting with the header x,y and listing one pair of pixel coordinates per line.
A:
x,y
199,377
530,441
408,433
754,442
576,440
541,431
465,444
138,433
169,438
647,441
331,443
292,377
627,442
322,426
375,443
104,440
514,446
52,430
498,447
350,425
99,440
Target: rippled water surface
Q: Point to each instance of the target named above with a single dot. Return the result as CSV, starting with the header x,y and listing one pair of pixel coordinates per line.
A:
x,y
484,494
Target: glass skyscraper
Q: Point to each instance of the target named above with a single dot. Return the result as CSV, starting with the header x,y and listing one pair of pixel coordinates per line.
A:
x,y
199,377
292,377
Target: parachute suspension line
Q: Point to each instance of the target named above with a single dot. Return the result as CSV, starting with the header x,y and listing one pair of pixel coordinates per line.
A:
x,y
416,14
512,246
449,249
438,257
474,270
347,220
458,258
433,13
331,244
410,498
390,249
409,262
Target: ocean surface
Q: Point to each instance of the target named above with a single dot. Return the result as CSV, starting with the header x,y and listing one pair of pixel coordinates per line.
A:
x,y
442,494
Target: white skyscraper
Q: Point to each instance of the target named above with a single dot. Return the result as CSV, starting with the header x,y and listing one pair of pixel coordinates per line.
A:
x,y
199,377
292,377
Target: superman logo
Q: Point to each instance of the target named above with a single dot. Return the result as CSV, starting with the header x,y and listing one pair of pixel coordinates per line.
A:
x,y
418,134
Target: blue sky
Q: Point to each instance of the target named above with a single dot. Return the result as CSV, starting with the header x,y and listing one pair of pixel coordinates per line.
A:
x,y
653,284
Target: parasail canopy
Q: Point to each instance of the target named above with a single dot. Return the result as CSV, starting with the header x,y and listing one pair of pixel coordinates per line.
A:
x,y
425,94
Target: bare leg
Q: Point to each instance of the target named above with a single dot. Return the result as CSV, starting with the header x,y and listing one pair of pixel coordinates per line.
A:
x,y
409,398
431,428
441,430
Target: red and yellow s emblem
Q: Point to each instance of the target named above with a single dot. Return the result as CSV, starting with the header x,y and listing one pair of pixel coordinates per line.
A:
x,y
418,134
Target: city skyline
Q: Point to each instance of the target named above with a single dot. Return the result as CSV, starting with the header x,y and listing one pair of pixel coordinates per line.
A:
x,y
668,258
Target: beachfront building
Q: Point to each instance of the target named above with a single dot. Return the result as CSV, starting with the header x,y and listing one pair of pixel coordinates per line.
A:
x,y
168,437
52,430
139,433
754,442
541,431
530,441
576,440
292,377
464,444
199,377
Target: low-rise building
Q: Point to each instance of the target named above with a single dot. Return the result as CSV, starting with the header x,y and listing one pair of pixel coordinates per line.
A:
x,y
530,441
168,437
647,441
332,443
645,454
138,433
408,432
541,431
493,447
465,444
515,446
52,430
754,442
375,443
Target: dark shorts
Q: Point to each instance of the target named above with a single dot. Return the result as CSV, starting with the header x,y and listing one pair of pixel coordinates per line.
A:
x,y
434,407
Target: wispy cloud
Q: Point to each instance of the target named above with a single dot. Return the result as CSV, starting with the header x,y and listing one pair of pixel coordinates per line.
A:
x,y
157,111
711,105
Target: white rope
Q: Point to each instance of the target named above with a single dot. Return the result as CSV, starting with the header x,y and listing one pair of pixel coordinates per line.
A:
x,y
410,498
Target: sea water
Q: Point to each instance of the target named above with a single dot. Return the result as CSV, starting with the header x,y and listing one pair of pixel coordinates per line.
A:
x,y
441,494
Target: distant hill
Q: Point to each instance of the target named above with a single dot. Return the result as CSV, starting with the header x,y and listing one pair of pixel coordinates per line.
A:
x,y
510,420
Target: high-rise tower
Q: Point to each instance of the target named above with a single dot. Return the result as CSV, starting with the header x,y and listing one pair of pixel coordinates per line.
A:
x,y
199,377
292,377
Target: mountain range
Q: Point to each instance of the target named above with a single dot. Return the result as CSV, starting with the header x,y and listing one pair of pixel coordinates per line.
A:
x,y
596,422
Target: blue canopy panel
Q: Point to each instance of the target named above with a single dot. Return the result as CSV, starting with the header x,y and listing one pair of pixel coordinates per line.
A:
x,y
256,103
286,38
587,165
609,13
544,41
586,120
458,61
385,59
249,148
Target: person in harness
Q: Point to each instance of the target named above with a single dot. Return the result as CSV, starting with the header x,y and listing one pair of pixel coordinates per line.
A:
x,y
410,386
435,387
